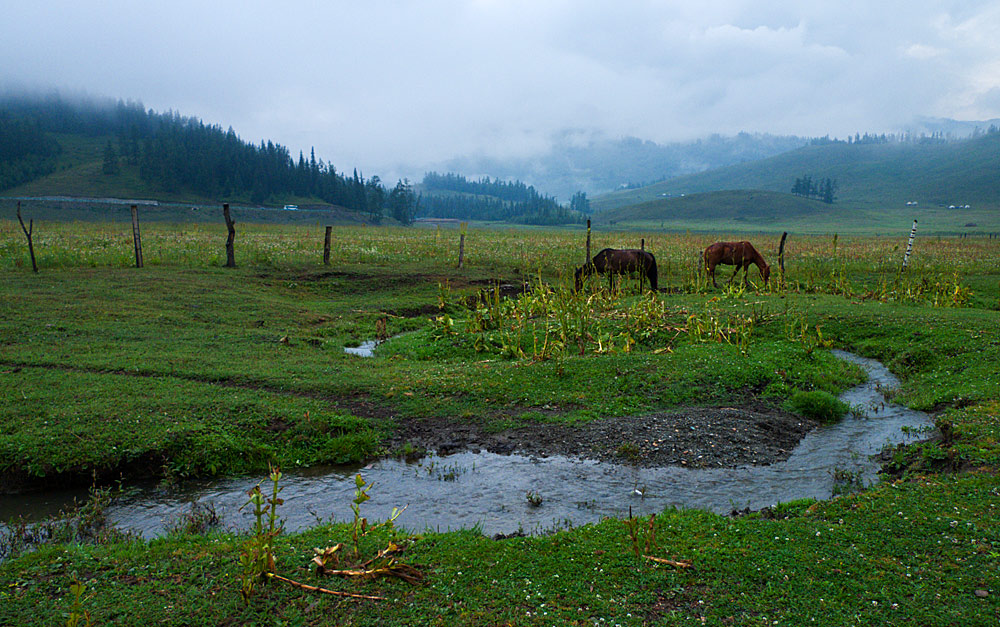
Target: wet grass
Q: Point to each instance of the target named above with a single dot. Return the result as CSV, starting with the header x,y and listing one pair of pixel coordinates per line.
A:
x,y
912,552
191,372
186,368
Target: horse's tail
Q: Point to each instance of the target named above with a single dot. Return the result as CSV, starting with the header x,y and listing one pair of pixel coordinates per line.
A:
x,y
651,273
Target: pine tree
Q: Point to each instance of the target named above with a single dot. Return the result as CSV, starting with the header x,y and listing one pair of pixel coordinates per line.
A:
x,y
580,203
110,165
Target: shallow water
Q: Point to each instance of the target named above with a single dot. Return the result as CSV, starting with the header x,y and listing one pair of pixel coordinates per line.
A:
x,y
366,349
489,491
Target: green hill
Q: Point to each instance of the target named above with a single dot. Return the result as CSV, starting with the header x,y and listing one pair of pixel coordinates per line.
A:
x,y
869,176
78,173
760,211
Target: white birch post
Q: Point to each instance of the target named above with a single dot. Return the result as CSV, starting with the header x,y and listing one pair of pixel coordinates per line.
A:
x,y
909,245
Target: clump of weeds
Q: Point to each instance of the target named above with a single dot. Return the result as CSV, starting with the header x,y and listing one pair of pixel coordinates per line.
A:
x,y
534,498
629,451
200,519
847,481
84,521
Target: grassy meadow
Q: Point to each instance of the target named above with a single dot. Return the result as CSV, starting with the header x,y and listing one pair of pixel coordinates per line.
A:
x,y
185,368
755,211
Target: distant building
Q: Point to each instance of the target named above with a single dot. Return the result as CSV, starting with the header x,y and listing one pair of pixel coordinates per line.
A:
x,y
291,207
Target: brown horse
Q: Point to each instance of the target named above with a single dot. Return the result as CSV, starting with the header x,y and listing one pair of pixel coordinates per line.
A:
x,y
614,261
739,254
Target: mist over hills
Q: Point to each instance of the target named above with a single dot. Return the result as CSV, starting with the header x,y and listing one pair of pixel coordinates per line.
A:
x,y
949,128
580,161
933,172
66,147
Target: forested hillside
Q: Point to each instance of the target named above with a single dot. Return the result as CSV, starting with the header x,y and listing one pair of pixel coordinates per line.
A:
x,y
54,146
26,152
453,196
173,154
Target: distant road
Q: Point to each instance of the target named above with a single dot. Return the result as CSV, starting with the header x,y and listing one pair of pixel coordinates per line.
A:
x,y
108,201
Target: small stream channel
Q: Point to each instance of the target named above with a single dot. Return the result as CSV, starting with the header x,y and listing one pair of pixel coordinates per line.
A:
x,y
489,492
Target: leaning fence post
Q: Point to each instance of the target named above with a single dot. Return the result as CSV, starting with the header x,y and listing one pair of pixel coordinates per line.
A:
x,y
230,253
136,239
463,227
27,233
909,245
587,261
326,245
781,252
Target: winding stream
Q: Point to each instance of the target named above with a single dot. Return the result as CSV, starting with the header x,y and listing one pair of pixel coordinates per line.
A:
x,y
489,491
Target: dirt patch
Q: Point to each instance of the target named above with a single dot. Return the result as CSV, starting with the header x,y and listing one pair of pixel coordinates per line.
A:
x,y
697,437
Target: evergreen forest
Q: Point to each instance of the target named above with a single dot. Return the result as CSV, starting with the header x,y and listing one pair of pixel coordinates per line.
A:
x,y
175,154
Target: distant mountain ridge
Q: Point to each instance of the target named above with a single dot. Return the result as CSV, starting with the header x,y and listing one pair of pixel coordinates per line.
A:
x,y
867,174
948,127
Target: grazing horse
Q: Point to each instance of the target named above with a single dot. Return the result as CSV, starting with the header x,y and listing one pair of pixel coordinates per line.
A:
x,y
739,254
620,261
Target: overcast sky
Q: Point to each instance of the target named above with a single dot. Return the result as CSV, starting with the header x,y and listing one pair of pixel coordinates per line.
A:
x,y
376,84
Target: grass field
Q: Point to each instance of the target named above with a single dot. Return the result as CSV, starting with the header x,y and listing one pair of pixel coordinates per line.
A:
x,y
753,212
186,368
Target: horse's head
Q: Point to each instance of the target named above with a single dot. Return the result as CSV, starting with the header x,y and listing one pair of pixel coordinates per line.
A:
x,y
578,278
766,272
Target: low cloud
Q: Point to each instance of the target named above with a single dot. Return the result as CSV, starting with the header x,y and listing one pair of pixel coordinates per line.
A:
x,y
392,88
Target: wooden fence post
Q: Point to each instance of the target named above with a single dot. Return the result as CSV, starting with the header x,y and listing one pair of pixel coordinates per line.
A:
x,y
136,239
27,233
642,244
781,252
588,242
230,226
326,245
461,243
909,245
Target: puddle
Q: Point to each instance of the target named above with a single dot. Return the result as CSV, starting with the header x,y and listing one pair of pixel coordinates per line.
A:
x,y
367,348
489,492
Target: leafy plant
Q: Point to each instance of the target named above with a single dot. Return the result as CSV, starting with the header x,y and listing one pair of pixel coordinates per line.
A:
x,y
78,617
257,559
359,526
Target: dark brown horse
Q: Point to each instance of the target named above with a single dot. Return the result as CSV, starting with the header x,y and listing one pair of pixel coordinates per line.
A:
x,y
614,261
739,254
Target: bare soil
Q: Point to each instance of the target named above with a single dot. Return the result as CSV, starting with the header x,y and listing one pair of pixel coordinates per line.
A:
x,y
694,437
